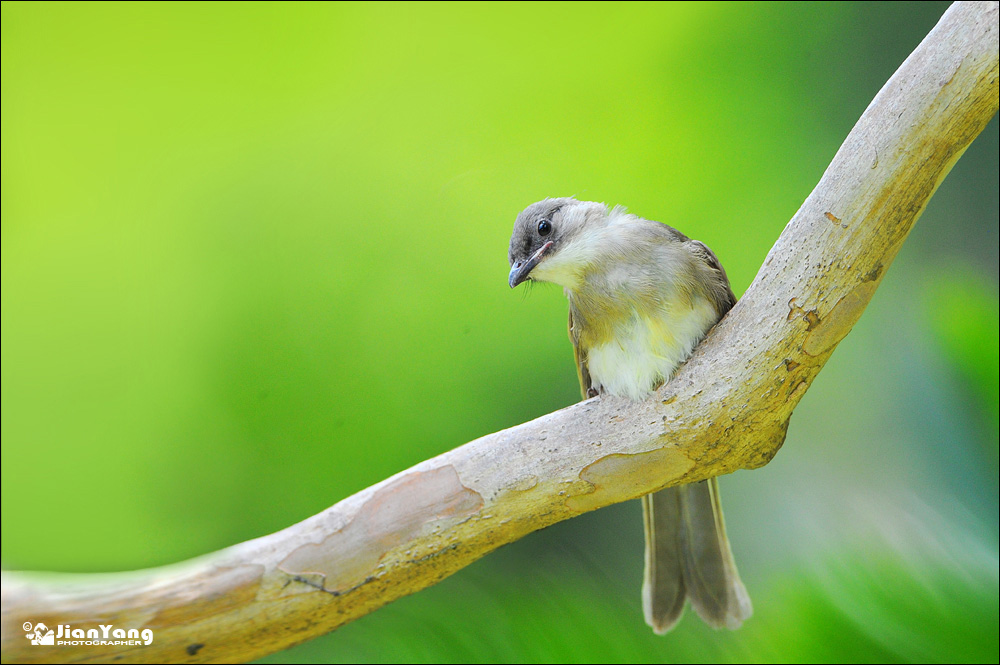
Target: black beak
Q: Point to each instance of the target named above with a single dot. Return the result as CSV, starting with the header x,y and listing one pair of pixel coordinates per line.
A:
x,y
521,269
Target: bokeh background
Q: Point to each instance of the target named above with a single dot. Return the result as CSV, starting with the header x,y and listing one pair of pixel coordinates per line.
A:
x,y
254,260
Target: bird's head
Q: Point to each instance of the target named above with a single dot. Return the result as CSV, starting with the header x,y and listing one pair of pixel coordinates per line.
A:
x,y
545,239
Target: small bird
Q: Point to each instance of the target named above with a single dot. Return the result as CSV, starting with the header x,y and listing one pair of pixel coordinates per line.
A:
x,y
641,296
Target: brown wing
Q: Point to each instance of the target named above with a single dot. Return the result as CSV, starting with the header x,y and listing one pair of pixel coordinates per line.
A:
x,y
586,387
719,290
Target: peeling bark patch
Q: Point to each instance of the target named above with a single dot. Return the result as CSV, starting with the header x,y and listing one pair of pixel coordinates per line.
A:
x,y
835,325
393,515
523,484
956,64
303,583
833,218
215,592
796,393
616,476
810,316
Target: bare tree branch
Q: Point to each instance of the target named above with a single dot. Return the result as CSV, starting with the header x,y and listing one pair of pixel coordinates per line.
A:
x,y
726,409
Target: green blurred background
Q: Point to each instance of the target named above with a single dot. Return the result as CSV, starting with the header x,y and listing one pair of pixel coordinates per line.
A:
x,y
254,260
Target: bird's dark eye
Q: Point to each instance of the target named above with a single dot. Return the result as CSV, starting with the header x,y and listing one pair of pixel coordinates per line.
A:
x,y
544,227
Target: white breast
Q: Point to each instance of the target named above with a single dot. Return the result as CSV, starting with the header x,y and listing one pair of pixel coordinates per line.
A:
x,y
644,352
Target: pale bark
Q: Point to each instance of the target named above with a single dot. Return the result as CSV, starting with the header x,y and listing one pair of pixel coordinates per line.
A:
x,y
726,409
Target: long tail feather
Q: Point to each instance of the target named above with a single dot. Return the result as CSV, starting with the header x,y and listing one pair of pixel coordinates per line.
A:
x,y
688,556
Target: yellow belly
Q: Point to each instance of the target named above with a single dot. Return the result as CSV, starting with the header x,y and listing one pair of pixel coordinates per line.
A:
x,y
644,351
